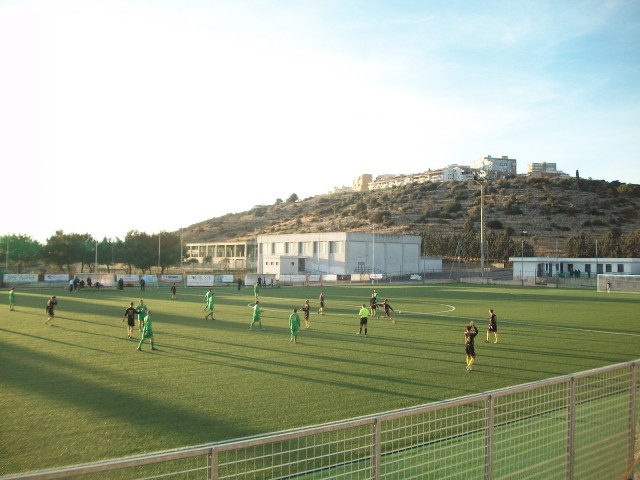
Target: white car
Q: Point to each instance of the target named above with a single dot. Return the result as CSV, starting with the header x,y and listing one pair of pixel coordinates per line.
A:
x,y
415,276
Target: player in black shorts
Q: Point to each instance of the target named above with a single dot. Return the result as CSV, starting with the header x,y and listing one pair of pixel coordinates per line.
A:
x,y
493,326
130,314
469,338
305,310
387,309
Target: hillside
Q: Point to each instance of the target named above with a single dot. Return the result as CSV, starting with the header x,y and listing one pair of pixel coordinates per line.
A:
x,y
550,210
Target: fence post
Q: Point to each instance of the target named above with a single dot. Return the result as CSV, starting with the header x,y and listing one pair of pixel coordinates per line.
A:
x,y
571,427
376,440
212,464
488,437
633,397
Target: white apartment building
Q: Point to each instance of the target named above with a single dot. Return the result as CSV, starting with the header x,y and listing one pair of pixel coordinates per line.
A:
x,y
494,165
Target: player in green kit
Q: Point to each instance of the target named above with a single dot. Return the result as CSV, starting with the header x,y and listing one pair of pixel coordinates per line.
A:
x,y
207,296
256,316
294,325
12,298
210,305
147,331
142,310
256,289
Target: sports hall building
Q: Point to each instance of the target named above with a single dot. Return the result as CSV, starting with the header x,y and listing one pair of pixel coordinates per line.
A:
x,y
343,253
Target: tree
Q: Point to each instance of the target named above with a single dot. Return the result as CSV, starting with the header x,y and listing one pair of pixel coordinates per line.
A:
x,y
64,250
500,246
580,246
141,250
631,245
433,244
89,249
170,253
611,245
292,198
22,249
107,252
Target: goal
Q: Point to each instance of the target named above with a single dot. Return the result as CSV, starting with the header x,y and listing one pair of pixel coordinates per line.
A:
x,y
619,283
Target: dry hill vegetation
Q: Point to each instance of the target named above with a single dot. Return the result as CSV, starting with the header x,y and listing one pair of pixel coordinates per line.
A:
x,y
550,210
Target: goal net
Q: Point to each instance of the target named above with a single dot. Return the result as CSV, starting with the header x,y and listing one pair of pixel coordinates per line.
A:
x,y
618,283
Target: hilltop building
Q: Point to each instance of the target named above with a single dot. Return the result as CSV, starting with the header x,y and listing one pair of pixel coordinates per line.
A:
x,y
496,166
361,184
450,173
544,170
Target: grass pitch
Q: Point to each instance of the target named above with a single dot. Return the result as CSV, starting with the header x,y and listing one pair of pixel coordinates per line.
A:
x,y
79,391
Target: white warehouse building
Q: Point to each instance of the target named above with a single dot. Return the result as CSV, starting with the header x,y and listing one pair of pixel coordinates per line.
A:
x,y
343,253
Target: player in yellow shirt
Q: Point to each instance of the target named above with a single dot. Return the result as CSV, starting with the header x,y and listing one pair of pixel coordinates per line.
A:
x,y
364,319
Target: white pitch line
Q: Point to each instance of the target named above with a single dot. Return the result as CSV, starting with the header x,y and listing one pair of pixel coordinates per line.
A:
x,y
576,329
558,327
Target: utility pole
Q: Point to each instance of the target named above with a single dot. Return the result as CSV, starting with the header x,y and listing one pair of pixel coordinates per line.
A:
x,y
523,234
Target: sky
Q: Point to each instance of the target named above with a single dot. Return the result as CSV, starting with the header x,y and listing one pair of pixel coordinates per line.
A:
x,y
155,115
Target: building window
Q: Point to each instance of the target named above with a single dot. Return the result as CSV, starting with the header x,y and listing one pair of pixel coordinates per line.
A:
x,y
620,268
300,248
608,268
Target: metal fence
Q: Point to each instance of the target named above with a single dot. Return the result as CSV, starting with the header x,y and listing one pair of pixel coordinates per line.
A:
x,y
580,426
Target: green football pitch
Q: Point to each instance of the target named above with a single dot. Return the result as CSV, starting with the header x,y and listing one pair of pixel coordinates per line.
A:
x,y
79,391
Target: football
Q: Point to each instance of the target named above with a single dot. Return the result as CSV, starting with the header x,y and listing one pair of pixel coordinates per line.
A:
x,y
399,312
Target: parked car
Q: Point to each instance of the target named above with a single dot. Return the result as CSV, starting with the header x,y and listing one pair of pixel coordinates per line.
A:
x,y
415,276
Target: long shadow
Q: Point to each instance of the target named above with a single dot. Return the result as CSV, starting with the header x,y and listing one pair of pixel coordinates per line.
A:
x,y
19,364
53,340
263,367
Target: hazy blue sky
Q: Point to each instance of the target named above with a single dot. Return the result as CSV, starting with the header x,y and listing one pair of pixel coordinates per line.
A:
x,y
154,115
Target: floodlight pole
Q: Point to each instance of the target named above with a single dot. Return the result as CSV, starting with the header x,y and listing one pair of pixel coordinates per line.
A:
x,y
523,234
482,229
181,252
373,252
95,266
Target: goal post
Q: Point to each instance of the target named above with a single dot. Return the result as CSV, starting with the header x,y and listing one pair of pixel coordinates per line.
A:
x,y
618,283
